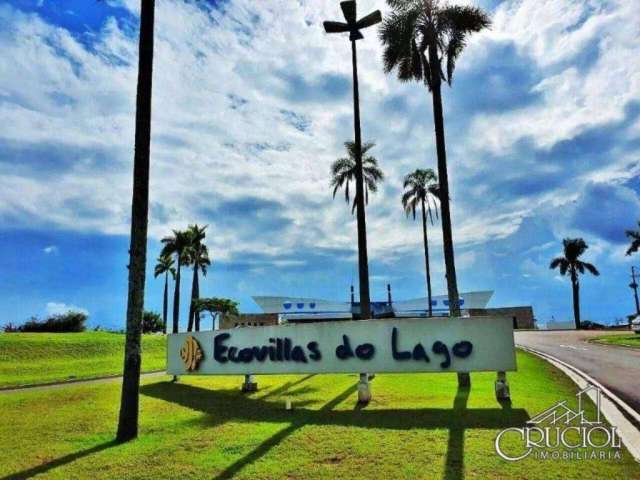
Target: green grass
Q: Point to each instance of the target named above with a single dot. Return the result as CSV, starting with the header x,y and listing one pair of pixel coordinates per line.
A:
x,y
28,358
630,340
416,427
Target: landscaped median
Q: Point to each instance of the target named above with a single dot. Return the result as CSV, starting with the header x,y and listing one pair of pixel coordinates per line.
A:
x,y
631,340
36,358
416,426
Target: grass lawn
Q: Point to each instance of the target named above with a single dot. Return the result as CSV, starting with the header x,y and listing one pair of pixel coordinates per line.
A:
x,y
630,340
417,426
27,358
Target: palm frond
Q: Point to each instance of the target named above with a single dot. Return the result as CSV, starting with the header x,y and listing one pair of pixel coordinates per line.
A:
x,y
413,25
634,236
573,248
341,165
558,262
592,269
398,35
454,49
407,197
428,207
366,147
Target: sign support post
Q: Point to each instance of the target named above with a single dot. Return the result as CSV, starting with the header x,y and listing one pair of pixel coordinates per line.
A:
x,y
502,387
249,385
364,389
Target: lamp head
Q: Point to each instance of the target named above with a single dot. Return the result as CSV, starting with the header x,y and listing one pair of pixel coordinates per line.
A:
x,y
349,10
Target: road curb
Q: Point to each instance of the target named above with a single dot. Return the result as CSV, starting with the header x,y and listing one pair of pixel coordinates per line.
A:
x,y
594,341
615,410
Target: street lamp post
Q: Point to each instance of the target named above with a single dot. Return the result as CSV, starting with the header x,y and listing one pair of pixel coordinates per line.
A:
x,y
353,26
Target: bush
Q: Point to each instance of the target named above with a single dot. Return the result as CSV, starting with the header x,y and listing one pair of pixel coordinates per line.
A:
x,y
10,328
151,322
589,325
65,322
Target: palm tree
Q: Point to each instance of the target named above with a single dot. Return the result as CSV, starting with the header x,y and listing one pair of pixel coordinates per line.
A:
x,y
417,36
176,245
570,265
129,400
197,255
634,236
343,172
421,189
165,265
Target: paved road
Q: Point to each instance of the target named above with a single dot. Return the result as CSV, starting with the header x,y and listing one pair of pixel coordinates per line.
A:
x,y
617,368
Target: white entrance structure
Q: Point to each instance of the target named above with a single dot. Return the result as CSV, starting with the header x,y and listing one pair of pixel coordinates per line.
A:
x,y
302,308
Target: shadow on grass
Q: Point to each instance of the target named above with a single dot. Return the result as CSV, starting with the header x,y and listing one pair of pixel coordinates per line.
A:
x,y
58,462
220,406
454,465
285,387
274,440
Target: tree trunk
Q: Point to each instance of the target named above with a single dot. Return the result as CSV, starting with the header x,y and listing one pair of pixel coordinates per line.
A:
x,y
128,420
447,236
575,285
363,261
165,302
426,258
464,380
176,299
196,313
194,318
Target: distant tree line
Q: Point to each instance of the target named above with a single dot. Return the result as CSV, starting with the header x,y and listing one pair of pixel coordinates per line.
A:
x,y
64,322
74,322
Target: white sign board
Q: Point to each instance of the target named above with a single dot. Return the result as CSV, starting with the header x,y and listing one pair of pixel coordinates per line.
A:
x,y
393,345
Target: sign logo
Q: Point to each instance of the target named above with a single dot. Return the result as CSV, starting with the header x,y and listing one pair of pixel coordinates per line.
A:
x,y
191,353
561,433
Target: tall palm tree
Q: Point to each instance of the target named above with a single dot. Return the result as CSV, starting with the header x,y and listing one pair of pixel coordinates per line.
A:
x,y
129,400
177,245
164,266
634,236
197,255
343,172
570,265
417,36
421,189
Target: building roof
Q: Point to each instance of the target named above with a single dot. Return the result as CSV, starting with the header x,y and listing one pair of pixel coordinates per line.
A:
x,y
414,307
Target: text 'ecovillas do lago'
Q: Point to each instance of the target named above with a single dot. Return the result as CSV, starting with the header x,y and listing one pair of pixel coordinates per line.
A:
x,y
284,350
394,345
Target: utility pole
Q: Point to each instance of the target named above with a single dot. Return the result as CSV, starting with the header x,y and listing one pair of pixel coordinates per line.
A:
x,y
353,26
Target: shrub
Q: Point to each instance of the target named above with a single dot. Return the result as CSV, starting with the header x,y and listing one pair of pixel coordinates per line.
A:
x,y
589,325
151,322
10,328
65,322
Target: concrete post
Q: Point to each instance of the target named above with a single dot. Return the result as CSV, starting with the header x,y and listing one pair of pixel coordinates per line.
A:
x,y
364,389
502,387
464,379
249,384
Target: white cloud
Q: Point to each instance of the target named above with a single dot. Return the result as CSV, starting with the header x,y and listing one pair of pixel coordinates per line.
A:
x,y
51,250
59,308
555,33
221,82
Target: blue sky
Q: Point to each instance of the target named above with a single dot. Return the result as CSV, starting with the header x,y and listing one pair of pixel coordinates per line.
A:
x,y
252,102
